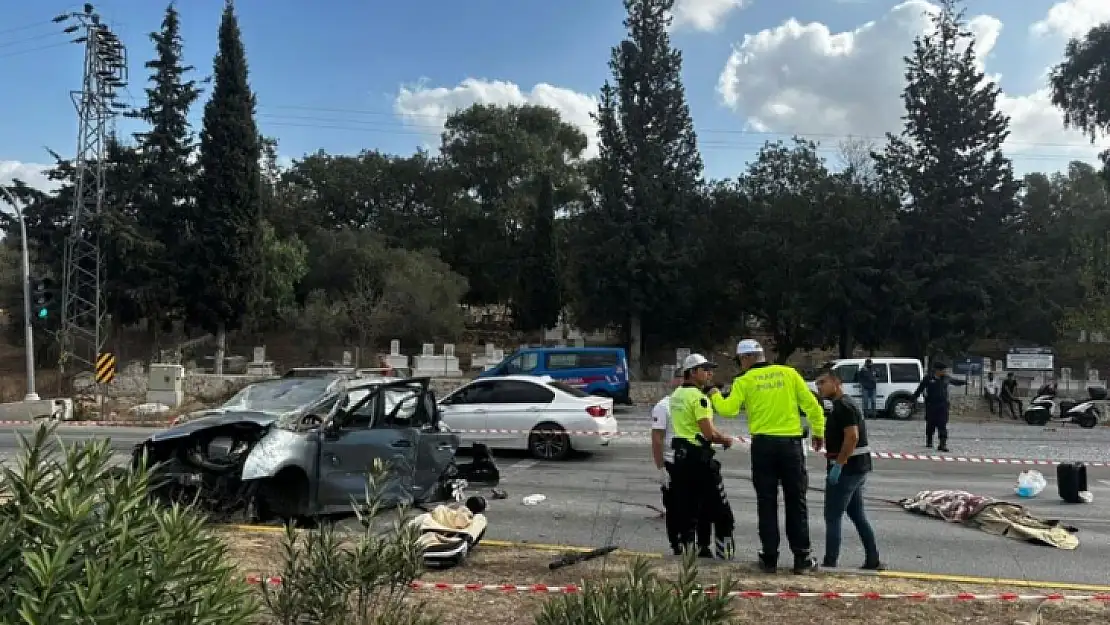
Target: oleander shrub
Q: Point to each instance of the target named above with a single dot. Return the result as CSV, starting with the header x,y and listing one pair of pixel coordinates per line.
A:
x,y
641,597
334,576
81,542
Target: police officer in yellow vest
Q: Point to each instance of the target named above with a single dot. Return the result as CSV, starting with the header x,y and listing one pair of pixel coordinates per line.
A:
x,y
772,395
696,483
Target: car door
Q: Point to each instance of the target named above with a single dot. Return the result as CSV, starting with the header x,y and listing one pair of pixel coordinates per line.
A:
x,y
515,407
465,411
349,449
882,384
435,449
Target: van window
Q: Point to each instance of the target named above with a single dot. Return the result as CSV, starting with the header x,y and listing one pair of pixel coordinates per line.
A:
x,y
523,363
581,360
904,373
880,371
847,373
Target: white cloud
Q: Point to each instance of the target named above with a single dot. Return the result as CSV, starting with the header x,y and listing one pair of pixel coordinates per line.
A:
x,y
33,174
427,108
704,15
1072,18
805,79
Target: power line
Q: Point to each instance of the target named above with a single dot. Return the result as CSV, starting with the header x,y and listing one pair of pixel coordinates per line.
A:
x,y
17,42
37,49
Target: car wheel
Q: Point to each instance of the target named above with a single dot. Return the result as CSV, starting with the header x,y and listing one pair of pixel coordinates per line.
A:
x,y
900,408
549,441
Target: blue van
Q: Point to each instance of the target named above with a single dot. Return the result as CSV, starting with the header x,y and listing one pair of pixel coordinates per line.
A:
x,y
601,371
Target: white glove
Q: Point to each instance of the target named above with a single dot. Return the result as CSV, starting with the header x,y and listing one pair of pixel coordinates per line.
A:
x,y
664,478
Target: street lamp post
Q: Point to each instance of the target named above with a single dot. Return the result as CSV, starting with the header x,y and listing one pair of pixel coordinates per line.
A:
x,y
29,337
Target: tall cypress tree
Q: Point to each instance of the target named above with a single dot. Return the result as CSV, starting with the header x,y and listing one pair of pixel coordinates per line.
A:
x,y
225,224
647,183
169,172
538,299
960,189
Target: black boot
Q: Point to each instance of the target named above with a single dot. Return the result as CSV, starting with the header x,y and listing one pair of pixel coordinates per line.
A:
x,y
929,442
804,563
943,446
769,563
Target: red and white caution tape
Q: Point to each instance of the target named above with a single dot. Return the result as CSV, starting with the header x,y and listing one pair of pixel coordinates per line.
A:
x,y
889,455
881,455
569,589
93,424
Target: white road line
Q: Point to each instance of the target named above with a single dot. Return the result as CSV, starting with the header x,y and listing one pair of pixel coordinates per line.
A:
x,y
522,465
1105,483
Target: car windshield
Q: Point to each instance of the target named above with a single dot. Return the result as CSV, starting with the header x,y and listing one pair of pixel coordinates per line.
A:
x,y
279,396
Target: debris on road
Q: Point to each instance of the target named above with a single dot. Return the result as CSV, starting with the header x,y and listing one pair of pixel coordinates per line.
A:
x,y
569,559
532,500
1030,483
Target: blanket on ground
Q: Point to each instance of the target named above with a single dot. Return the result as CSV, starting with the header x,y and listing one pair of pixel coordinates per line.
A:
x,y
993,516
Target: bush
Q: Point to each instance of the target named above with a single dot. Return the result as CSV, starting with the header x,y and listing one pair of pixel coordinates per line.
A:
x,y
642,598
80,542
335,577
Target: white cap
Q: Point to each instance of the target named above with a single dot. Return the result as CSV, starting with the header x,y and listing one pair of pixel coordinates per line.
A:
x,y
694,361
748,347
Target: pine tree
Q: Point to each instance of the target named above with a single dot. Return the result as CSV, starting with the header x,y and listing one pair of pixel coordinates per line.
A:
x,y
961,190
225,224
169,171
647,183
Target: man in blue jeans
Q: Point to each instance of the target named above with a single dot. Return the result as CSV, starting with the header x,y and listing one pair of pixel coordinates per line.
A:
x,y
848,466
867,386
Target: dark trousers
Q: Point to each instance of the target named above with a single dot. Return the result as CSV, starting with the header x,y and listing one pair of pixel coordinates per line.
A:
x,y
1009,402
698,495
936,421
675,518
993,400
780,462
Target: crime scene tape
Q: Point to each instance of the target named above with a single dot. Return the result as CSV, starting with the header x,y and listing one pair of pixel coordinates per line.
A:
x,y
881,455
570,589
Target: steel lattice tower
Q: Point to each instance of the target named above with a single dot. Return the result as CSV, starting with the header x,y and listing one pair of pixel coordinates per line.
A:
x,y
83,323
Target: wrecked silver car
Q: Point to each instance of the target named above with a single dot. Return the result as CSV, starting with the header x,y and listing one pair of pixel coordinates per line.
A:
x,y
314,459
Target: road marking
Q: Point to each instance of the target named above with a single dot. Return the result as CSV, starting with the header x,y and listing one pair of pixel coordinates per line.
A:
x,y
522,465
993,581
1105,483
511,544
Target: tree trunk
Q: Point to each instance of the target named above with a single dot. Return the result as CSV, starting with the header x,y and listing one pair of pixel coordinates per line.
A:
x,y
846,342
221,348
635,344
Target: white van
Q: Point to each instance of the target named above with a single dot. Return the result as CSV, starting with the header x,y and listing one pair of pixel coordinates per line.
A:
x,y
897,379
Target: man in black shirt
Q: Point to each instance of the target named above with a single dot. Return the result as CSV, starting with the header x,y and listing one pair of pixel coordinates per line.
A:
x,y
849,462
1008,395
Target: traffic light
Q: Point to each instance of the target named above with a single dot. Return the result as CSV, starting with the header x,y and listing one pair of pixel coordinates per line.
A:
x,y
42,296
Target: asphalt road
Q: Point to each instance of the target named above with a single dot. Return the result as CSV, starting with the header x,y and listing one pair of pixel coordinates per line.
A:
x,y
603,498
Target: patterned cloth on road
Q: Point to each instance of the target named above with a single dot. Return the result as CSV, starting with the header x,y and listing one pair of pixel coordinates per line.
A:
x,y
1000,518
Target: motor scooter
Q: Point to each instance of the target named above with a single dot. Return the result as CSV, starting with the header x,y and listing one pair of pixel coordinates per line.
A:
x,y
1047,408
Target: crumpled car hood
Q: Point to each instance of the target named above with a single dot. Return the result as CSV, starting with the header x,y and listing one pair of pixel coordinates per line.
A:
x,y
214,420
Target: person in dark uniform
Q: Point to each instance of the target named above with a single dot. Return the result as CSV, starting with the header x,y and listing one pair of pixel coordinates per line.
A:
x,y
935,388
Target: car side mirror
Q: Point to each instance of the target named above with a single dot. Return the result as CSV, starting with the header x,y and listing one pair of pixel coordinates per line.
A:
x,y
331,428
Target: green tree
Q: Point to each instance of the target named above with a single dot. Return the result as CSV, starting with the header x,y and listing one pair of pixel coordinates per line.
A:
x,y
496,157
1081,86
538,299
959,192
785,186
169,180
284,265
636,261
225,224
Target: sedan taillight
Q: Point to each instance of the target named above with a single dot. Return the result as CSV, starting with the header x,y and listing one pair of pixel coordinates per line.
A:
x,y
597,411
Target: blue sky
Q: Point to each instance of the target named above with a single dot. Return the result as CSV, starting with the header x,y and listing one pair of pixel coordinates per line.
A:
x,y
329,77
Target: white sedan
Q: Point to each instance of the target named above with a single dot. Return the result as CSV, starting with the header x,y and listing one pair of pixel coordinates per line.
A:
x,y
536,413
